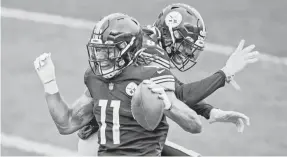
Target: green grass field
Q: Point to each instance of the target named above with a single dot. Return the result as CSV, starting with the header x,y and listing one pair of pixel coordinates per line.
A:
x,y
264,85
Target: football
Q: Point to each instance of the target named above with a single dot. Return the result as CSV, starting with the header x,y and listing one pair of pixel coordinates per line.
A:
x,y
147,108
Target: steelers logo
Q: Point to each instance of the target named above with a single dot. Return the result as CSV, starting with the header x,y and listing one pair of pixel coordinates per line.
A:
x,y
173,19
131,88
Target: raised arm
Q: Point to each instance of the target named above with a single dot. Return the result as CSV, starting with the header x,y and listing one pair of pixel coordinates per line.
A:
x,y
68,118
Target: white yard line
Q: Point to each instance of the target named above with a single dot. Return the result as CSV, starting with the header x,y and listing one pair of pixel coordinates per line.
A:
x,y
182,149
84,24
34,147
52,150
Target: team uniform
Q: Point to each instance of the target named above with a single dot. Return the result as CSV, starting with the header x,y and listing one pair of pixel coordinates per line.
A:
x,y
155,53
193,93
114,45
119,133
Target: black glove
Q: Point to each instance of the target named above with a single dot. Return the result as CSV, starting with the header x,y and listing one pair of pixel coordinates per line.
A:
x,y
89,129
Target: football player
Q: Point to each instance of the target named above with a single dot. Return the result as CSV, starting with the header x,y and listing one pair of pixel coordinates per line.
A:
x,y
184,48
113,76
180,30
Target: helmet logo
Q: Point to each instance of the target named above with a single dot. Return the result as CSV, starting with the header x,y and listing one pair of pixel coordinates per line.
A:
x,y
173,19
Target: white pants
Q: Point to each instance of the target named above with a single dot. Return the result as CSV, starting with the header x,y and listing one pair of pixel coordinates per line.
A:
x,y
89,147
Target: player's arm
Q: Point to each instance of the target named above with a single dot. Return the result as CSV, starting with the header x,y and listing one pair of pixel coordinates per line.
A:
x,y
201,108
213,114
182,114
192,93
68,118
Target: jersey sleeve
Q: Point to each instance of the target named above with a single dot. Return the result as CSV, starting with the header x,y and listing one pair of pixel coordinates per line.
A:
x,y
194,92
154,52
87,74
158,55
164,78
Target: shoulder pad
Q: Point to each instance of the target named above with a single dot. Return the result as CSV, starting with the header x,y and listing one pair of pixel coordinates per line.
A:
x,y
157,55
88,73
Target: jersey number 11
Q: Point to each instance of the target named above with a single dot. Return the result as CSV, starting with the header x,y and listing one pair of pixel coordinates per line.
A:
x,y
115,104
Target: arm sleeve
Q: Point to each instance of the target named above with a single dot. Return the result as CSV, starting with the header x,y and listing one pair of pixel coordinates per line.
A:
x,y
194,92
201,108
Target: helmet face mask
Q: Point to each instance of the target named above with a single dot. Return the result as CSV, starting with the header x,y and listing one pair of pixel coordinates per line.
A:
x,y
114,48
183,34
185,50
107,58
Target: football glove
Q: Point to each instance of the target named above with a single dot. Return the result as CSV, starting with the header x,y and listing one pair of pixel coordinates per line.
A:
x,y
238,60
88,130
239,119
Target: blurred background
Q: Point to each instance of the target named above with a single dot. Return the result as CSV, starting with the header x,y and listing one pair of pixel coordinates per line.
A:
x,y
25,119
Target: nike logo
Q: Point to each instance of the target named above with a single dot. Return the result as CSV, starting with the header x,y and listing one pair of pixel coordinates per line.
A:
x,y
160,71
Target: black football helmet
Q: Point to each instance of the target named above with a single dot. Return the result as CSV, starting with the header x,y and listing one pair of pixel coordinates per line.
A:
x,y
182,34
114,44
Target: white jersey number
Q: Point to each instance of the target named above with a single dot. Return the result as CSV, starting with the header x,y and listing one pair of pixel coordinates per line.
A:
x,y
115,104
